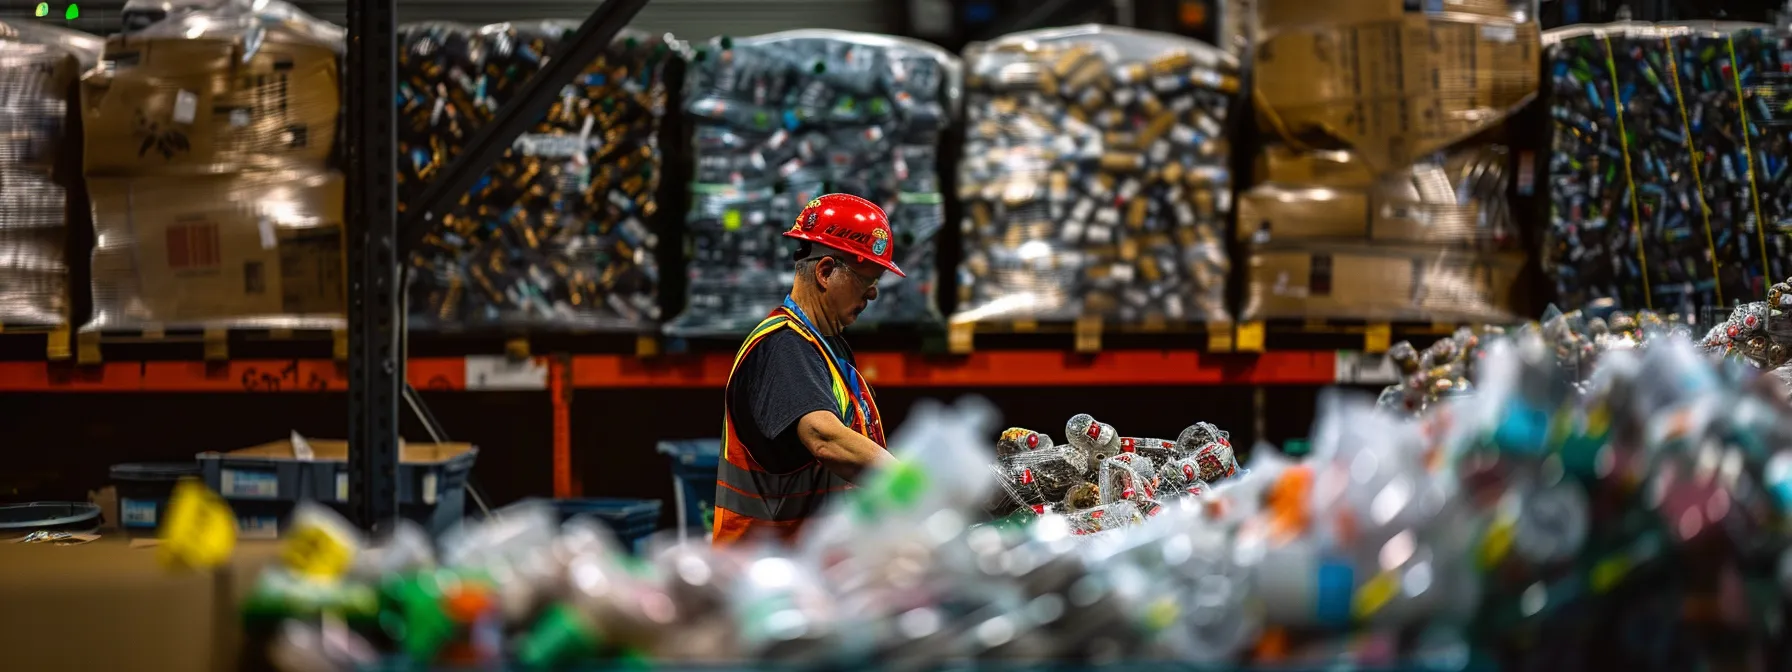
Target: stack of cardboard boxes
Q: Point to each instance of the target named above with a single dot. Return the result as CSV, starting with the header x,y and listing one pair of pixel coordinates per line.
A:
x,y
1372,206
208,144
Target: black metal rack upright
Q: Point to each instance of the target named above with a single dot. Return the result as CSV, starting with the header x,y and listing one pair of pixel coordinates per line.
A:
x,y
377,244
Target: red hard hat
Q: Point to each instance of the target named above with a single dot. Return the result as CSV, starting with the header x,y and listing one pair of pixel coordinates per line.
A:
x,y
849,224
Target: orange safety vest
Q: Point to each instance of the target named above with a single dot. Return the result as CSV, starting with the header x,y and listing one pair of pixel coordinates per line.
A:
x,y
752,502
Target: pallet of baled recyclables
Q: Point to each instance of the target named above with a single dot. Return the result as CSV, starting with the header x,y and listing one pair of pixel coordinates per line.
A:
x,y
1095,178
209,136
1330,238
39,66
780,119
264,483
1392,80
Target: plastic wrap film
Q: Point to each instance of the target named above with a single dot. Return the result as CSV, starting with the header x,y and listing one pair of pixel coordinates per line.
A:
x,y
1375,282
1392,85
249,250
1095,178
1456,198
214,91
1477,532
1667,144
143,15
783,118
560,231
38,69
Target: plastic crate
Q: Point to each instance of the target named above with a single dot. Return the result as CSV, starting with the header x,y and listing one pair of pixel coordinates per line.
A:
x,y
633,520
694,484
432,480
144,489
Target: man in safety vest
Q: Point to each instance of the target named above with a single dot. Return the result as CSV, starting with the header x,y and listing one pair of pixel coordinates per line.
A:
x,y
800,423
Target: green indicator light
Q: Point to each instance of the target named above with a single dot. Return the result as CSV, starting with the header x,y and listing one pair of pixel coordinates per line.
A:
x,y
74,12
43,9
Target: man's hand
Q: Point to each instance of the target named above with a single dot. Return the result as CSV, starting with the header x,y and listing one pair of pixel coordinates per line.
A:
x,y
841,450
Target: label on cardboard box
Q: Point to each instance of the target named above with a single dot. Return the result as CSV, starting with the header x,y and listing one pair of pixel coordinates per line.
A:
x,y
136,513
185,106
240,483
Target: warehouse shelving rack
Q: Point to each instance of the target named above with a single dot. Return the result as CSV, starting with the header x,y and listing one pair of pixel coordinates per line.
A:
x,y
381,368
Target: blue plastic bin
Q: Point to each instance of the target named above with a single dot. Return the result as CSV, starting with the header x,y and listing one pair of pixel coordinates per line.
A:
x,y
144,489
633,520
432,479
694,484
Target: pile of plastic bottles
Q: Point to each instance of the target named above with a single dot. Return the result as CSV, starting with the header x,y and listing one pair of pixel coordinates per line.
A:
x,y
1446,368
1530,523
1101,480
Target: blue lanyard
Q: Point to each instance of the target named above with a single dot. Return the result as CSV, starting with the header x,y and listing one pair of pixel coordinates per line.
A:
x,y
852,372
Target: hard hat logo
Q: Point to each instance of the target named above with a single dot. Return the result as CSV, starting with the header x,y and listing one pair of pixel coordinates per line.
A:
x,y
813,204
881,241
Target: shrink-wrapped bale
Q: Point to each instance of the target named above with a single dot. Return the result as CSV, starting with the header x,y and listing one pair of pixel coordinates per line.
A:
x,y
783,118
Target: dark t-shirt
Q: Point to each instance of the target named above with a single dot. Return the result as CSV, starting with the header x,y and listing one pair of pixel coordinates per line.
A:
x,y
781,380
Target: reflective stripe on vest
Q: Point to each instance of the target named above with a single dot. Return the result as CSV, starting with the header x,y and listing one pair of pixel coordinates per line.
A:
x,y
782,498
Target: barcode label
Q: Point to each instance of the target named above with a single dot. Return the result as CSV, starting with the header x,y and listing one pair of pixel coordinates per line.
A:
x,y
234,483
193,246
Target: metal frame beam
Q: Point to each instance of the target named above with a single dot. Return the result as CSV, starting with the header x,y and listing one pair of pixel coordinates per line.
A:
x,y
531,102
375,302
377,244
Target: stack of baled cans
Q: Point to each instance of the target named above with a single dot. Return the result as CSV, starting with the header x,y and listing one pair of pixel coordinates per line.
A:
x,y
1095,179
1669,165
781,119
558,233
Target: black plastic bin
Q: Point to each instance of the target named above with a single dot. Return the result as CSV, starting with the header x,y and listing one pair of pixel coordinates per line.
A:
x,y
144,489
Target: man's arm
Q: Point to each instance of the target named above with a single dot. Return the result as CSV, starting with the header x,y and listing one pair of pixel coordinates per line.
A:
x,y
843,451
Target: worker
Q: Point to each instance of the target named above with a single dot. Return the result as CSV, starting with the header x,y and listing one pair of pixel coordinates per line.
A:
x,y
800,424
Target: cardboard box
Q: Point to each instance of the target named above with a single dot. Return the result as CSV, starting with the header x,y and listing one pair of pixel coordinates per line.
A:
x,y
1395,90
107,605
1321,168
161,106
1272,214
1275,15
200,250
1380,283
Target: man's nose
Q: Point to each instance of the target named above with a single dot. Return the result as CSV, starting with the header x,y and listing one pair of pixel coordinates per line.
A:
x,y
871,293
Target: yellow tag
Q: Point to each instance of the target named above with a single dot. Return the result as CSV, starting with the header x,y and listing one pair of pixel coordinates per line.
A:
x,y
1026,326
199,529
1497,543
731,220
1375,594
1377,337
315,551
1250,337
